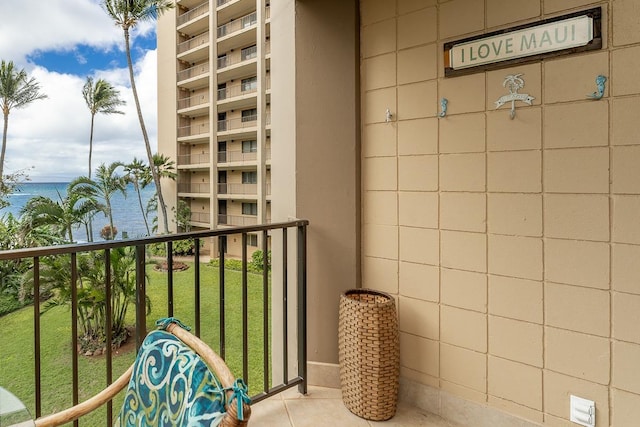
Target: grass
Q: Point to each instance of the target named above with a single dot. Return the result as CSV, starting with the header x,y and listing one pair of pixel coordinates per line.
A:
x,y
16,335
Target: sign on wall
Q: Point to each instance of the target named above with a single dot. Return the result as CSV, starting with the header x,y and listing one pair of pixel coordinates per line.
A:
x,y
556,36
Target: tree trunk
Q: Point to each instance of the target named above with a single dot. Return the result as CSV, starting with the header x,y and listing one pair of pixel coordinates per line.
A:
x,y
147,145
91,143
4,143
144,216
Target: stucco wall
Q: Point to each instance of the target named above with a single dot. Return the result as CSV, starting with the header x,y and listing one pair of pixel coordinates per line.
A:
x,y
512,246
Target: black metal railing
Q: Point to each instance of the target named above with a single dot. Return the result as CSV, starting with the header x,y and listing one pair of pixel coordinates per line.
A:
x,y
141,246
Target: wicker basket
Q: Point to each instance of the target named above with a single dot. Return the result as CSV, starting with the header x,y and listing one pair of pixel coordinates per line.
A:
x,y
369,353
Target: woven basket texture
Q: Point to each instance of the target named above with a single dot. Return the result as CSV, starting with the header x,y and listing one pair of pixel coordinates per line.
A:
x,y
369,353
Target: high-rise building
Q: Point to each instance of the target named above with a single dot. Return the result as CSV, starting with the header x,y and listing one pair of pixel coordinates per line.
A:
x,y
214,113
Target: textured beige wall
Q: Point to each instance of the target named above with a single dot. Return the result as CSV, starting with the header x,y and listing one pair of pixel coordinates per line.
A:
x,y
327,158
512,246
167,99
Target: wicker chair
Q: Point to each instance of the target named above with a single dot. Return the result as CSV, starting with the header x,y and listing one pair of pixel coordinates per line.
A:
x,y
217,376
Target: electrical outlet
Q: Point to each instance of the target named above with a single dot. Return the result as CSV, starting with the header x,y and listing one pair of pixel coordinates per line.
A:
x,y
582,411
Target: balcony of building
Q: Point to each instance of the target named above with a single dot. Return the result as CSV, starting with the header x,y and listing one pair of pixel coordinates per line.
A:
x,y
237,191
194,161
233,65
228,10
236,220
194,189
194,20
193,49
194,133
241,127
194,76
238,96
237,32
188,4
195,105
200,219
236,159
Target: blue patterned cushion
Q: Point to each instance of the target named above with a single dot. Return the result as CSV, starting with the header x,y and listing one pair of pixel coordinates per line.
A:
x,y
171,386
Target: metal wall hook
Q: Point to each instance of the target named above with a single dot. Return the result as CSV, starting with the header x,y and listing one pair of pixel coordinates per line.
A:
x,y
443,107
387,116
600,84
514,83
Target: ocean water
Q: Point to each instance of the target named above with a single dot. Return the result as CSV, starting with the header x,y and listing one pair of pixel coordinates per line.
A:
x,y
127,216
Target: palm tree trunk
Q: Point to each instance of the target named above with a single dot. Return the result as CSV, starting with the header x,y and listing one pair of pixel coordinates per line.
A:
x,y
4,142
91,143
147,145
144,217
108,203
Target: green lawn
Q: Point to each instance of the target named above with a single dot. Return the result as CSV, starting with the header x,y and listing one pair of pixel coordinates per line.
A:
x,y
16,335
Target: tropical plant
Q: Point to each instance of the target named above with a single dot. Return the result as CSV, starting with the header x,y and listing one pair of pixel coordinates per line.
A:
x,y
101,97
63,215
165,168
56,279
16,91
15,235
184,247
257,260
10,270
127,14
10,184
106,184
136,173
183,216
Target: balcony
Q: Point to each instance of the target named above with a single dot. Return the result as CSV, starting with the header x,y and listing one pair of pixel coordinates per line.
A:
x,y
236,190
237,96
188,161
239,32
194,77
237,25
202,219
194,106
189,4
238,123
210,316
195,133
194,49
194,20
196,189
237,220
237,158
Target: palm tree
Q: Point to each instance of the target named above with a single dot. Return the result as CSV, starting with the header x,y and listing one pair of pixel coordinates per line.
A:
x,y
164,166
127,14
106,184
137,173
16,91
100,97
64,215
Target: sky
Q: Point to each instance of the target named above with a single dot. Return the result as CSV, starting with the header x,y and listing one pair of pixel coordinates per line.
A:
x,y
60,43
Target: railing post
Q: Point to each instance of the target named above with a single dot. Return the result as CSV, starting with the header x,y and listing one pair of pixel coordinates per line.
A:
x,y
141,292
302,308
36,334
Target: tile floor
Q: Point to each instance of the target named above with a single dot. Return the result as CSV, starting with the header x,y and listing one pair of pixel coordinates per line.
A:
x,y
323,407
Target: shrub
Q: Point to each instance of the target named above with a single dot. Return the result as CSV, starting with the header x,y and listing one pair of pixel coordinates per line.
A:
x,y
257,260
254,265
180,248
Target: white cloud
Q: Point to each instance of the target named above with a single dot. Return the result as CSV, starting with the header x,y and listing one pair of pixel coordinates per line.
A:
x,y
55,24
52,135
